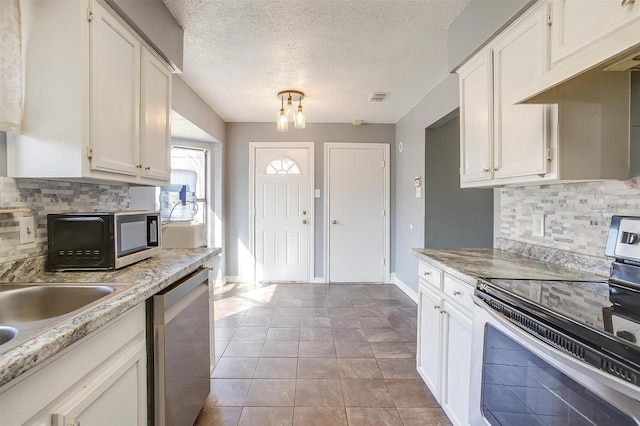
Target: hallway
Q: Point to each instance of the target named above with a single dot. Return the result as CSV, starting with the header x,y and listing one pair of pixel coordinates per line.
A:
x,y
316,354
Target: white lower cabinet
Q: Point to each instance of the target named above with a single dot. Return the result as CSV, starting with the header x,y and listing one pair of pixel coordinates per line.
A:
x,y
444,343
99,380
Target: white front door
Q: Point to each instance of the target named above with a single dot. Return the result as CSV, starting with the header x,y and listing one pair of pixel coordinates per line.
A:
x,y
357,186
283,226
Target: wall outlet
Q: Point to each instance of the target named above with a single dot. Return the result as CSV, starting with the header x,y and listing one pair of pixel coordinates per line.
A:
x,y
27,230
538,225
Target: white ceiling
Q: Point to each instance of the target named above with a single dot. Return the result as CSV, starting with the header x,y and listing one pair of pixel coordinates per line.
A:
x,y
239,53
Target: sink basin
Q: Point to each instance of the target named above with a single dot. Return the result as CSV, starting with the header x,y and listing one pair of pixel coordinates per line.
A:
x,y
20,304
6,334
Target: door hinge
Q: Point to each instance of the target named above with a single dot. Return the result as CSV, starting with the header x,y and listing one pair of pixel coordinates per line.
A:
x,y
549,15
89,152
549,154
89,14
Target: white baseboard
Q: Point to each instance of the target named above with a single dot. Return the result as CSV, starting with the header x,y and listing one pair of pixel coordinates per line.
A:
x,y
318,280
413,295
237,279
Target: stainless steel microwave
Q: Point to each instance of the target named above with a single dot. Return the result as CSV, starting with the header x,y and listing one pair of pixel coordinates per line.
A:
x,y
101,241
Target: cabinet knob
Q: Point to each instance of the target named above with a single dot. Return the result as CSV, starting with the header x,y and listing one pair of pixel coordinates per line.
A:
x,y
485,170
333,222
304,222
427,273
456,292
627,2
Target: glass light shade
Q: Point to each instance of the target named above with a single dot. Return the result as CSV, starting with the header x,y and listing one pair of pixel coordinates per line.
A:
x,y
282,124
300,120
290,110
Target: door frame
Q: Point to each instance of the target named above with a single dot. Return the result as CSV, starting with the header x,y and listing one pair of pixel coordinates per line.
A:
x,y
387,201
253,146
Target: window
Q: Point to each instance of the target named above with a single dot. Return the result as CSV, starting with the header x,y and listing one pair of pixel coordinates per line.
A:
x,y
283,166
186,197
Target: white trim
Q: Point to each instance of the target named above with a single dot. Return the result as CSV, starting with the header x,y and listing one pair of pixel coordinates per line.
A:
x,y
387,201
319,280
237,279
413,294
310,199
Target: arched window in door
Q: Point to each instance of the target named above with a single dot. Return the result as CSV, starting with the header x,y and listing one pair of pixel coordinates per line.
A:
x,y
283,166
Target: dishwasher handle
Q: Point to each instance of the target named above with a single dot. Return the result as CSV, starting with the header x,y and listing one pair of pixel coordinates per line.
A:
x,y
173,296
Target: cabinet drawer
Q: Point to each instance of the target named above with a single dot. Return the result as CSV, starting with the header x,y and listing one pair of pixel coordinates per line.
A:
x,y
430,274
458,292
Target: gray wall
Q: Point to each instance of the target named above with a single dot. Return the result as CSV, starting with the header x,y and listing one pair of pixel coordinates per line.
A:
x,y
477,23
236,159
454,217
409,210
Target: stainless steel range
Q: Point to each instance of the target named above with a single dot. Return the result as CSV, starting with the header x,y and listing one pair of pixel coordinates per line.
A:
x,y
561,352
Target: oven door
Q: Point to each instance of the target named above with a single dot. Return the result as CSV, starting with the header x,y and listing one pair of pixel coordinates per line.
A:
x,y
517,379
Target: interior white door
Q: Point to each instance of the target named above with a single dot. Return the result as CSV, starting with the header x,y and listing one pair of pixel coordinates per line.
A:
x,y
283,220
357,203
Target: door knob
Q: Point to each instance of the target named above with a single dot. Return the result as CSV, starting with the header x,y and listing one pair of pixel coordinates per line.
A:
x,y
333,222
304,222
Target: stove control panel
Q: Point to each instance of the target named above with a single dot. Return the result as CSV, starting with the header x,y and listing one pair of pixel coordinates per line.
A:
x,y
623,241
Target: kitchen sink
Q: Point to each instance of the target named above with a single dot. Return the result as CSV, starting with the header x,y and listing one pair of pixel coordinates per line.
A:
x,y
6,334
25,303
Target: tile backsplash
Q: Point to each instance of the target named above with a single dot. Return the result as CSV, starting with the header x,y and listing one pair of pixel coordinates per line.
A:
x,y
577,215
44,197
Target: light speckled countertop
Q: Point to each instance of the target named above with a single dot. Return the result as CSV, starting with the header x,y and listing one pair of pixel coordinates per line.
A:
x,y
146,278
469,264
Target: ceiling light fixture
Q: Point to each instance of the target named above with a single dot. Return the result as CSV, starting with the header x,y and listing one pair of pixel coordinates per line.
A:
x,y
290,113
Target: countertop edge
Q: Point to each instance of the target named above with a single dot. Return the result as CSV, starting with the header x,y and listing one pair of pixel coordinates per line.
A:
x,y
34,352
471,280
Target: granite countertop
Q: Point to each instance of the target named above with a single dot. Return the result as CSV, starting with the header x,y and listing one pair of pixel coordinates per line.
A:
x,y
142,280
470,264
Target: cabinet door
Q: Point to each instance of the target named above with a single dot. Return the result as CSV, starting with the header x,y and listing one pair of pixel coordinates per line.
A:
x,y
456,355
577,24
520,132
476,118
428,354
115,396
156,117
114,95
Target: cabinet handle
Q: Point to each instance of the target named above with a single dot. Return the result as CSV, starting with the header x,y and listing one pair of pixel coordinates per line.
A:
x,y
427,273
627,2
494,169
147,168
138,166
436,306
443,312
485,170
456,292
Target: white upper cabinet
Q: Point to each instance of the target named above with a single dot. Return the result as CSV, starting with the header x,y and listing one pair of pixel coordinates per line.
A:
x,y
592,28
97,100
503,143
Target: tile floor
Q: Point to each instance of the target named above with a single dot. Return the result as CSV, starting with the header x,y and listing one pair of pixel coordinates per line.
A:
x,y
316,354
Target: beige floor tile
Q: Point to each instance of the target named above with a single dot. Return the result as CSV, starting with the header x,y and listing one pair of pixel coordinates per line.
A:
x,y
353,350
345,322
279,349
229,392
287,311
349,335
319,416
318,368
374,322
366,393
235,368
316,350
316,334
225,333
423,417
359,368
283,333
271,393
276,368
266,416
250,333
411,394
315,322
285,322
373,417
398,368
251,321
212,415
243,348
390,350
319,393
314,312
382,335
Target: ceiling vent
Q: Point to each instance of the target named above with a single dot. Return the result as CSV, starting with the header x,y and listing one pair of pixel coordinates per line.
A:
x,y
378,96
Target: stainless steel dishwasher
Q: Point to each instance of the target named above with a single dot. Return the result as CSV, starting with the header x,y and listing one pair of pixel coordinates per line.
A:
x,y
181,350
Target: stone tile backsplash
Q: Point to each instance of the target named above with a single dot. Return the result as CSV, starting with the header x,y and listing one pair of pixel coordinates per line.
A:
x,y
44,197
577,215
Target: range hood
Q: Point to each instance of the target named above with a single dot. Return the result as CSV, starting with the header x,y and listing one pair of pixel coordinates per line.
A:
x,y
544,90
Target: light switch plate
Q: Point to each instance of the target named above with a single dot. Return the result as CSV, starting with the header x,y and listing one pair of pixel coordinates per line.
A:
x,y
27,230
538,225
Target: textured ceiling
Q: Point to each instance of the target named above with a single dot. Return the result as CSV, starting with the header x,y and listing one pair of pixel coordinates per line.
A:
x,y
240,53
